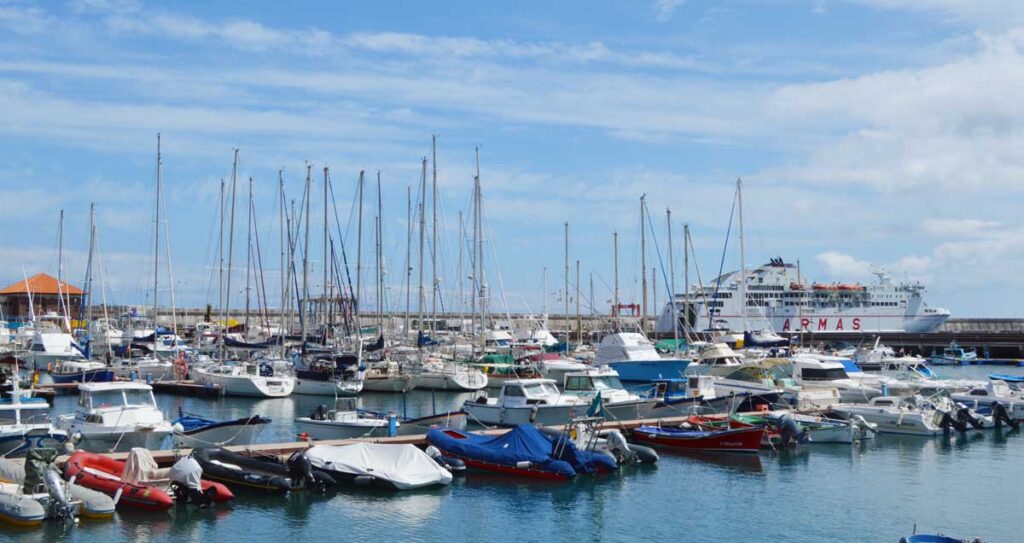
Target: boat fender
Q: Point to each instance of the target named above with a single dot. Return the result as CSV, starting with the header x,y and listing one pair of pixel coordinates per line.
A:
x,y
364,480
533,414
523,464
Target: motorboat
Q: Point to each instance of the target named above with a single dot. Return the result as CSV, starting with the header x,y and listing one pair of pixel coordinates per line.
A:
x,y
33,491
617,402
811,373
819,429
25,424
737,440
634,357
147,367
981,398
263,473
769,376
191,431
497,341
555,366
912,415
246,379
523,451
696,394
116,417
954,355
346,421
526,401
499,368
49,346
394,466
77,370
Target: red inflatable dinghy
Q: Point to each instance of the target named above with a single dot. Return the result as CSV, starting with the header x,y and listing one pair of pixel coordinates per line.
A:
x,y
102,473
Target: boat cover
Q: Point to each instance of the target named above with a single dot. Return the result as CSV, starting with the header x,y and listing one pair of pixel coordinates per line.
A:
x,y
523,443
187,472
140,467
404,466
751,340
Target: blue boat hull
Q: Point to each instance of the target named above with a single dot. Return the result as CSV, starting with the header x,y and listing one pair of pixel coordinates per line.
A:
x,y
647,371
90,376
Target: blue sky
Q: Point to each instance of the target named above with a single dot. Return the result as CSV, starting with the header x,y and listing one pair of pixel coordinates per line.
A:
x,y
869,133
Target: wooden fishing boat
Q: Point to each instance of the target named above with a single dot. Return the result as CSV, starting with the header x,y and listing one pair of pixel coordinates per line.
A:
x,y
740,440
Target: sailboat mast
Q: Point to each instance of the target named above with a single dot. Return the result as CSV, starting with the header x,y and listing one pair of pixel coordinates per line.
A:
x,y
423,224
615,257
408,256
433,230
565,286
220,284
643,266
231,252
156,229
248,257
284,277
327,259
92,251
686,275
462,243
672,279
359,252
305,259
743,267
380,258
60,271
579,320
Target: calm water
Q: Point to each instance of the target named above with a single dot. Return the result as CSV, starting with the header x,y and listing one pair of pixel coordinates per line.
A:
x,y
970,486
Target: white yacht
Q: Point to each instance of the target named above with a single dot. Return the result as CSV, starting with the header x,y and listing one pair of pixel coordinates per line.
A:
x,y
617,402
52,346
25,424
634,357
144,368
981,398
116,417
343,422
387,376
910,415
812,373
246,380
435,374
526,401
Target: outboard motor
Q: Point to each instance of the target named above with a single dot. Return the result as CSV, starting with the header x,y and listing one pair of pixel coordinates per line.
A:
x,y
790,431
62,507
965,416
300,470
453,465
949,423
999,415
186,475
620,449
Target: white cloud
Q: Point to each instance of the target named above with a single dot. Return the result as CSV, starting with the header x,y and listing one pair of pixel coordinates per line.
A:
x,y
989,13
839,266
958,228
663,9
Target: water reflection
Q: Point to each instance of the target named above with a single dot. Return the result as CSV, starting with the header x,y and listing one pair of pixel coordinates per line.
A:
x,y
745,463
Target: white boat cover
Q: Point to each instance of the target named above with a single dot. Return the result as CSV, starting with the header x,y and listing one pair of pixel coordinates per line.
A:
x,y
404,466
140,467
187,472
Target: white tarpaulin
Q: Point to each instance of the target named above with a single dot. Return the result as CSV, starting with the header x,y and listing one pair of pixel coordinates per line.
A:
x,y
404,466
140,467
187,472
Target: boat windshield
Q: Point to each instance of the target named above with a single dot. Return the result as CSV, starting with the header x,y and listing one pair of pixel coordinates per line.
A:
x,y
540,389
823,374
139,397
606,382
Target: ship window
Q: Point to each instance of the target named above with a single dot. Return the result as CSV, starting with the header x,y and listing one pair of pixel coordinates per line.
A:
x,y
979,393
514,391
577,383
823,374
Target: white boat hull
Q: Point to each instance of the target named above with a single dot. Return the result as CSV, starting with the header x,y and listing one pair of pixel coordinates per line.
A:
x,y
310,387
887,422
459,381
226,435
545,415
114,440
260,387
329,429
390,383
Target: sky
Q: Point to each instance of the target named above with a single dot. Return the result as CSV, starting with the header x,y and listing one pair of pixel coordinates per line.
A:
x,y
869,134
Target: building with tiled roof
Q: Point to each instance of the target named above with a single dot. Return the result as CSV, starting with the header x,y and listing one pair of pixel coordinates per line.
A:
x,y
44,291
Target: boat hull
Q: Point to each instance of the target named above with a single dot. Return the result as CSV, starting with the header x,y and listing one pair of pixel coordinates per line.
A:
x,y
742,440
222,434
329,429
262,387
401,383
545,415
14,444
649,370
89,376
312,387
462,382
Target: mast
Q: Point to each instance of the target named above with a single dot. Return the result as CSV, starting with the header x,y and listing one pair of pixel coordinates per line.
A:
x,y
380,259
672,279
579,320
423,224
544,293
156,242
305,259
220,284
231,252
60,273
565,287
462,243
743,267
615,245
248,258
88,266
686,275
359,255
284,277
327,260
643,266
478,249
433,230
408,255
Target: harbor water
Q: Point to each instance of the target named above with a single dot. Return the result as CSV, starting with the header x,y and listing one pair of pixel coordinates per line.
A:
x,y
872,492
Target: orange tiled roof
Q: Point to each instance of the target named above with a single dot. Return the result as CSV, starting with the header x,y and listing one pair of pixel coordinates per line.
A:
x,y
41,283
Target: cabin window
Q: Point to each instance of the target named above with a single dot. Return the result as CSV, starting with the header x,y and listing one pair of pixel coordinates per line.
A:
x,y
514,391
822,374
577,383
979,393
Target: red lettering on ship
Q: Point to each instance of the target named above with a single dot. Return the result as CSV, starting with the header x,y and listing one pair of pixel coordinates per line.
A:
x,y
785,327
822,324
804,323
856,324
839,325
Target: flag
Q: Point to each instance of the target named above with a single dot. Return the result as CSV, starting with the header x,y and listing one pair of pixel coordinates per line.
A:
x,y
596,407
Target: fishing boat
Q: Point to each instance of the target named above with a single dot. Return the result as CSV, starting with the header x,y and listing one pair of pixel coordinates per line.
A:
x,y
25,424
246,380
696,393
136,483
617,402
936,538
739,440
526,401
116,417
266,474
634,357
819,429
192,431
522,451
398,467
954,355
50,346
78,371
345,421
146,367
555,365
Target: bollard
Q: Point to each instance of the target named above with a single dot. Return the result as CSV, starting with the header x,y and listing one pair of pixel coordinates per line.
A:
x,y
392,424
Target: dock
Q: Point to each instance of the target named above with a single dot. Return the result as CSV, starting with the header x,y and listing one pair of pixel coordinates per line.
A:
x,y
188,388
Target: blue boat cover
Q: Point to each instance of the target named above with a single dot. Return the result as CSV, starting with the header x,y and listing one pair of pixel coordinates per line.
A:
x,y
522,443
1006,377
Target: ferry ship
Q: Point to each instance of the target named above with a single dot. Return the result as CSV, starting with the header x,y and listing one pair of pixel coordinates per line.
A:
x,y
779,301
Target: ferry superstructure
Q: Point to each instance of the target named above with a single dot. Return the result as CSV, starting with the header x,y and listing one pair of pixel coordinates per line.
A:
x,y
778,300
